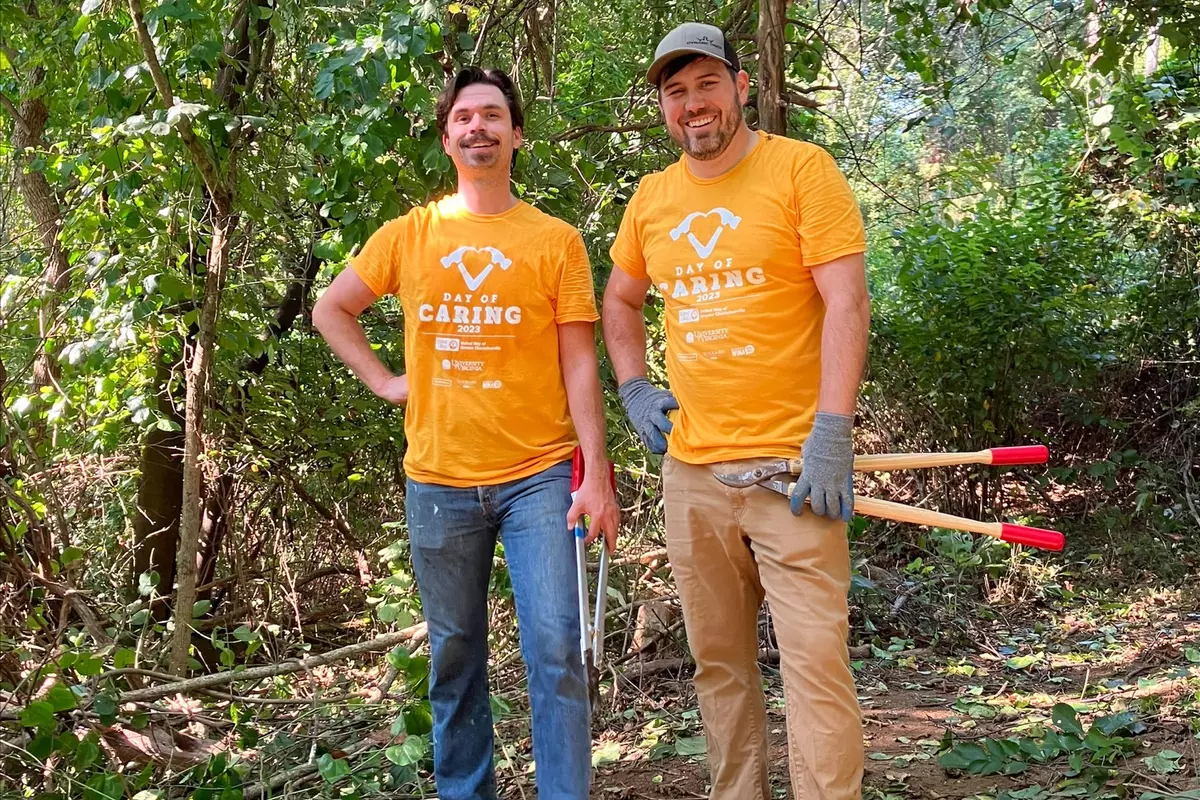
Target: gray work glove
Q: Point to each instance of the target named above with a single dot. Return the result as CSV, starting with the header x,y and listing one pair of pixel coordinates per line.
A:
x,y
828,466
646,406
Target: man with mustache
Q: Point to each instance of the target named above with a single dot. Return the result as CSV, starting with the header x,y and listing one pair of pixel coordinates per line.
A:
x,y
756,244
501,384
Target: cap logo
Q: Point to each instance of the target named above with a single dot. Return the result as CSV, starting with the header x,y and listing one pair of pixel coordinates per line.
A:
x,y
708,40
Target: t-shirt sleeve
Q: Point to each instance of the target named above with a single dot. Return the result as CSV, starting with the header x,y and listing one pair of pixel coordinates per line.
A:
x,y
626,250
830,223
378,263
576,297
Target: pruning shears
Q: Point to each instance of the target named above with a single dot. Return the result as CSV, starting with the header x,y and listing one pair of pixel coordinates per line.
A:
x,y
773,476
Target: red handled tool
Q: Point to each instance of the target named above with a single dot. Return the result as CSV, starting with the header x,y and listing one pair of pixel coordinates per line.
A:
x,y
768,476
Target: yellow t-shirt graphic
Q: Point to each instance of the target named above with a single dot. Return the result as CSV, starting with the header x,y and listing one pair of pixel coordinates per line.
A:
x,y
733,258
482,297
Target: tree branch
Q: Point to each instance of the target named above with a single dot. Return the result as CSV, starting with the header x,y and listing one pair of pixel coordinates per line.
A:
x,y
82,609
737,18
797,99
810,89
384,642
304,771
12,59
12,109
338,520
583,130
204,163
143,35
813,30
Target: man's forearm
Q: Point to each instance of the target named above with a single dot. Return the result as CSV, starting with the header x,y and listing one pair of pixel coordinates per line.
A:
x,y
582,380
348,341
587,412
843,356
625,339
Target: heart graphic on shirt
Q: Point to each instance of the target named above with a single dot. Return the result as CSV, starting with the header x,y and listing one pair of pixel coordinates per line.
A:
x,y
704,249
476,263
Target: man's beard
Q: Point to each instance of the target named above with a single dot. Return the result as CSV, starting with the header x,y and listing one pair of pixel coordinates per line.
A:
x,y
711,144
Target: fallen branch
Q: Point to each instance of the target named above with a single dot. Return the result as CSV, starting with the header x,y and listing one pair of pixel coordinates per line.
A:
x,y
284,701
305,771
765,656
385,642
158,745
231,698
301,772
642,558
78,602
619,610
650,641
654,667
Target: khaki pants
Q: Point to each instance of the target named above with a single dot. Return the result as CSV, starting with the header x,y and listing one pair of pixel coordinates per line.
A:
x,y
728,548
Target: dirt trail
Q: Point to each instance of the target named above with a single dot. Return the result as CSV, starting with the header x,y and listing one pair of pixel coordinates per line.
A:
x,y
1140,656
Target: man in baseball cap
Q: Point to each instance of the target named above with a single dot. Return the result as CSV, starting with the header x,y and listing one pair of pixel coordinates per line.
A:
x,y
755,243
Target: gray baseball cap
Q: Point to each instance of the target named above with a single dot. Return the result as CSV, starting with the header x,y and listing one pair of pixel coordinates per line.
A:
x,y
691,37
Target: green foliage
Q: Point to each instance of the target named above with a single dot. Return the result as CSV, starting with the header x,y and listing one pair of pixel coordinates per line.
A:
x,y
991,308
1097,750
1147,173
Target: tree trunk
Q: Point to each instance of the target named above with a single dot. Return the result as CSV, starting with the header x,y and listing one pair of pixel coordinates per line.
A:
x,y
213,529
538,22
243,58
161,486
295,299
43,207
199,374
772,109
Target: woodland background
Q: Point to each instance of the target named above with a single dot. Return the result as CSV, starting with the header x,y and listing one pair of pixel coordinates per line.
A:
x,y
183,462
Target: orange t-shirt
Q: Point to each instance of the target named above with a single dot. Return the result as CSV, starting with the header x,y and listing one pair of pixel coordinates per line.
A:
x,y
483,297
733,258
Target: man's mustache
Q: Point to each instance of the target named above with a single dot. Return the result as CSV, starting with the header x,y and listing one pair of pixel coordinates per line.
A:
x,y
475,140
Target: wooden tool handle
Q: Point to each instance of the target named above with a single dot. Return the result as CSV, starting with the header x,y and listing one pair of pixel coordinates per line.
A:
x,y
1033,454
1004,531
1017,534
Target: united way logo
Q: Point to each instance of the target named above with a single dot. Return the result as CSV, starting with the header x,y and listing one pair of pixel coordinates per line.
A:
x,y
725,219
476,263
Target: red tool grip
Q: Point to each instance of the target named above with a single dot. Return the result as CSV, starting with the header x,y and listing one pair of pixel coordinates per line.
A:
x,y
1034,537
578,467
1028,454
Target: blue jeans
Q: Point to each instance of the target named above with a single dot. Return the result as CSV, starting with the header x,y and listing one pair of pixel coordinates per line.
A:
x,y
453,536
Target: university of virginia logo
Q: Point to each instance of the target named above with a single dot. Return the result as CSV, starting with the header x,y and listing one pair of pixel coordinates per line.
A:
x,y
462,255
726,217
